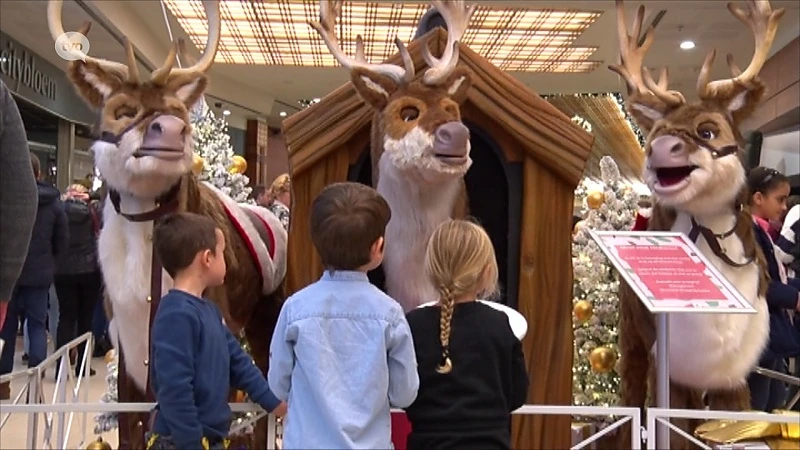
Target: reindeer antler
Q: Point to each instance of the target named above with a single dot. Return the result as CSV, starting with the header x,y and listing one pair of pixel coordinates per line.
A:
x,y
456,15
130,72
632,55
212,42
763,23
57,30
329,11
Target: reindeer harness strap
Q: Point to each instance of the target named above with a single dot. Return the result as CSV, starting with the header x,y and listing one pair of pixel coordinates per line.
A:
x,y
166,204
713,242
712,238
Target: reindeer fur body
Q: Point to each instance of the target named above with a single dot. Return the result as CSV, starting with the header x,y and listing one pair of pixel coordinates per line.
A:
x,y
125,252
416,212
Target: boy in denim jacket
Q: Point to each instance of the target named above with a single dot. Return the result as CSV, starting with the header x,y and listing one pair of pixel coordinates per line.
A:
x,y
342,352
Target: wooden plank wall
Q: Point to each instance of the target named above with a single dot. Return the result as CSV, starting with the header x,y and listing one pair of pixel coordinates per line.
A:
x,y
545,299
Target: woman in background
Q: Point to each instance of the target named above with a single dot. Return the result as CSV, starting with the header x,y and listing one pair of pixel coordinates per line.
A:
x,y
78,272
280,198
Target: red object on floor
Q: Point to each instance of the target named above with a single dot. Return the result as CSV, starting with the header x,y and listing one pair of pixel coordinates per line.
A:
x,y
401,428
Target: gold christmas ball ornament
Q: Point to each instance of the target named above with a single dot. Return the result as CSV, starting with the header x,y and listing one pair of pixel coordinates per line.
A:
x,y
595,199
99,444
198,164
583,311
110,355
239,164
602,359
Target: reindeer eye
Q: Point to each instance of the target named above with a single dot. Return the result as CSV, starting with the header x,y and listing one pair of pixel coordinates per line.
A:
x,y
125,111
707,132
409,113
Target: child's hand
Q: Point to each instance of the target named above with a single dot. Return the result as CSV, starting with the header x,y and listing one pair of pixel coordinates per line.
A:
x,y
280,410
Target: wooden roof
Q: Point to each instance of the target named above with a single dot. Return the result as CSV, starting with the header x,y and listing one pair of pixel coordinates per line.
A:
x,y
546,133
613,133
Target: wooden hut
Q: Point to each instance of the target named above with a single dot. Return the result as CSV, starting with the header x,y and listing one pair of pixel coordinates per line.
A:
x,y
528,158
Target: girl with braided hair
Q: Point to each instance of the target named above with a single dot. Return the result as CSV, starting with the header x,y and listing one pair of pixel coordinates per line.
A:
x,y
470,362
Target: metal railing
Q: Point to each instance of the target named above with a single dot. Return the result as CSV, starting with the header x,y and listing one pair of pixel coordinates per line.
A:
x,y
66,401
33,393
625,415
656,416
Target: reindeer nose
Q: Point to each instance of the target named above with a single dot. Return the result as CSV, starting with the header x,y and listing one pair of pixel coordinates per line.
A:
x,y
452,135
165,133
669,145
169,125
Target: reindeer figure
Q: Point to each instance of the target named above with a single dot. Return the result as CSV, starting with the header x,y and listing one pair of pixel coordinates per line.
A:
x,y
420,148
697,178
145,156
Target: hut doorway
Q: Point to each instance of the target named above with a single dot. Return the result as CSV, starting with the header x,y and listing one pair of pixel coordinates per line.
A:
x,y
494,188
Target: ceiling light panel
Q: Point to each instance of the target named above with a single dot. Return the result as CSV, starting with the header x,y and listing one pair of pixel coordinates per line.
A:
x,y
276,32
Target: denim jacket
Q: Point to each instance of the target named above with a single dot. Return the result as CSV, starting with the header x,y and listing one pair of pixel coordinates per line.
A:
x,y
341,356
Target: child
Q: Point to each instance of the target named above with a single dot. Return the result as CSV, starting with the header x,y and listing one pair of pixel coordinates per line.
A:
x,y
471,368
769,190
195,358
342,352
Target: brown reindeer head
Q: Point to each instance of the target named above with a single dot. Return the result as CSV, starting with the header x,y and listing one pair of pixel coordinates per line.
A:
x,y
693,153
419,121
145,144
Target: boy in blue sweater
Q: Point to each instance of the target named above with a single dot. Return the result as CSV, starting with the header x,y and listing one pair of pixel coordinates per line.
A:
x,y
195,357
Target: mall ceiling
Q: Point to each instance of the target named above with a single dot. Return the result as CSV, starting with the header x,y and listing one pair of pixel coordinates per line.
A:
x,y
572,56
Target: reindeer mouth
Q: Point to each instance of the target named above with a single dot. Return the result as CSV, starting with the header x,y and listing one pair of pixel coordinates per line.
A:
x,y
169,154
672,179
450,159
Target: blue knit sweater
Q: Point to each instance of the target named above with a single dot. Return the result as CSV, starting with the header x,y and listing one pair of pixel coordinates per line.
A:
x,y
195,360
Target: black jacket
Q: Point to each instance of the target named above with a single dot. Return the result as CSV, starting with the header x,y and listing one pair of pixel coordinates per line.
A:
x,y
84,223
779,296
470,407
784,338
48,240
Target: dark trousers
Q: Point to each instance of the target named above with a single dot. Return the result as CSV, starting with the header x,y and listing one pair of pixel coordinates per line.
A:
x,y
77,297
31,303
768,394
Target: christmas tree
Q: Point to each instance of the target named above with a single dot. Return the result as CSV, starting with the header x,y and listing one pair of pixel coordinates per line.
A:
x,y
609,204
215,161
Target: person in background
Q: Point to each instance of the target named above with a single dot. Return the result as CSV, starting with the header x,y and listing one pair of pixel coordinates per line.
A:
x,y
471,367
788,243
77,277
769,190
17,197
341,353
280,198
260,195
49,240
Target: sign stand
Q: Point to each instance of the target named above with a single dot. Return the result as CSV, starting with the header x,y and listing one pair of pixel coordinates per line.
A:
x,y
670,276
662,376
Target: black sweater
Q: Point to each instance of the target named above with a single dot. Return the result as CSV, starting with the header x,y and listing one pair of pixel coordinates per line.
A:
x,y
470,406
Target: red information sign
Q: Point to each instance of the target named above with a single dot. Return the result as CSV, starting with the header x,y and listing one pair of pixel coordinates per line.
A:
x,y
668,272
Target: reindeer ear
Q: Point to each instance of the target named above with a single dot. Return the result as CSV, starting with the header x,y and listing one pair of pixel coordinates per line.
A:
x,y
373,87
188,88
646,110
458,84
742,101
92,82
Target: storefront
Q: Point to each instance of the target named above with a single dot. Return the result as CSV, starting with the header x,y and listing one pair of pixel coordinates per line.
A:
x,y
56,119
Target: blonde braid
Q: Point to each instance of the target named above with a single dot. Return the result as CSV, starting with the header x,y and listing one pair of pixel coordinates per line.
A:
x,y
446,317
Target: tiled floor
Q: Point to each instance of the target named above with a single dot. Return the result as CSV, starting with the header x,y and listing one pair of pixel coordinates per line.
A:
x,y
13,433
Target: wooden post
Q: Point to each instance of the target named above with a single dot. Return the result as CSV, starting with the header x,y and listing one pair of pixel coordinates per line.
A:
x,y
255,151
